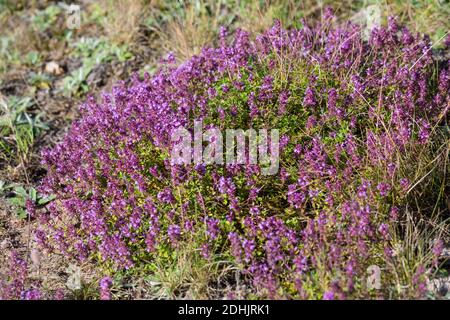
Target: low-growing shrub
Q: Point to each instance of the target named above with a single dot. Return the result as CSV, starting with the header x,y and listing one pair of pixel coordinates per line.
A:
x,y
362,127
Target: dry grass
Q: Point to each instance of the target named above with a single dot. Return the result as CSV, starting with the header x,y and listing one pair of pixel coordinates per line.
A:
x,y
122,18
22,37
412,251
186,35
188,276
195,26
425,16
256,16
425,215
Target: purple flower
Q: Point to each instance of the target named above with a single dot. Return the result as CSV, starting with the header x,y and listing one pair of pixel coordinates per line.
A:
x,y
282,102
174,233
295,196
30,207
328,295
32,294
226,186
249,247
310,98
59,295
105,286
404,184
438,247
212,228
384,230
166,196
205,251
363,189
235,242
383,188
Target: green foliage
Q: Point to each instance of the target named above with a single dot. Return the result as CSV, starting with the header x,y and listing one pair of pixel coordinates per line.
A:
x,y
39,80
92,52
33,58
8,55
20,197
44,19
19,127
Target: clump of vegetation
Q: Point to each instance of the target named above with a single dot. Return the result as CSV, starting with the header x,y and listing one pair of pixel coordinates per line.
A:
x,y
92,52
47,68
19,127
363,148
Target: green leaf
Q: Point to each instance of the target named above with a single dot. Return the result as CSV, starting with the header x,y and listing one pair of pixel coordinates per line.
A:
x,y
20,191
45,200
21,213
33,194
17,201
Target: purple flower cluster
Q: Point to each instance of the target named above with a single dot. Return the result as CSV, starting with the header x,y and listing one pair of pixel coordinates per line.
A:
x,y
347,108
105,285
16,286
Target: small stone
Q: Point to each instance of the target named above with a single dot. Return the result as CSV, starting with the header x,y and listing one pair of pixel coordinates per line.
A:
x,y
4,244
53,68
